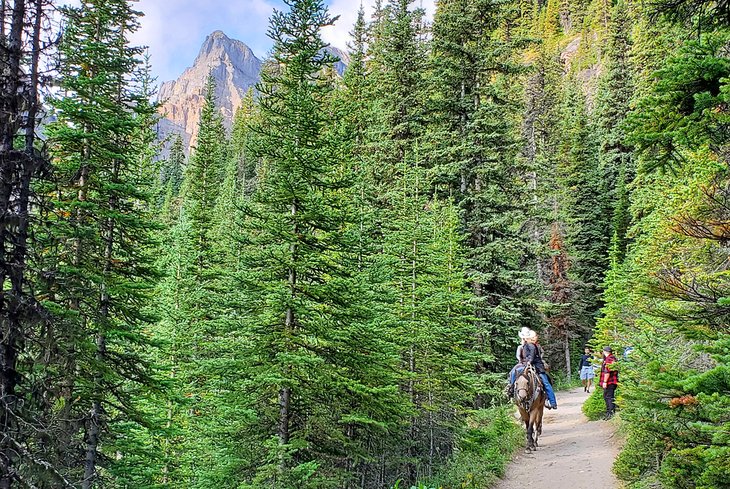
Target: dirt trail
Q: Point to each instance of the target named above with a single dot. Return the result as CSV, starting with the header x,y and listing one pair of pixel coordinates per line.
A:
x,y
574,453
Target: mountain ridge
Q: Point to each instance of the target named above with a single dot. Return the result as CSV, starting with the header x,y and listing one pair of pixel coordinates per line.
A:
x,y
235,68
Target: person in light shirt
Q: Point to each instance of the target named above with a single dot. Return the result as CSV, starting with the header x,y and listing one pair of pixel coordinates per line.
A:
x,y
586,370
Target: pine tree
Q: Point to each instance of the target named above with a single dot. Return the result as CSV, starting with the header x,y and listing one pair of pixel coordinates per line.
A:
x,y
23,388
317,374
203,177
171,175
199,323
613,104
585,209
242,136
101,232
476,153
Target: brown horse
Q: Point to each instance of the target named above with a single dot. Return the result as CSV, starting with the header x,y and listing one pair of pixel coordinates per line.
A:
x,y
530,400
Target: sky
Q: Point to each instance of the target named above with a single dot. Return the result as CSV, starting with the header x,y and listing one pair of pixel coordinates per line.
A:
x,y
174,30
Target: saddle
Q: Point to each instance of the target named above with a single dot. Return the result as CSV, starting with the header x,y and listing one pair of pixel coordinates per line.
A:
x,y
534,383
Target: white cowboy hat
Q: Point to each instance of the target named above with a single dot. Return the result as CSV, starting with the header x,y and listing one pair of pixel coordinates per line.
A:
x,y
524,332
531,334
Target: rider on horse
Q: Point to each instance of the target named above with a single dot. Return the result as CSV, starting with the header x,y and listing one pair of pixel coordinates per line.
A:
x,y
531,355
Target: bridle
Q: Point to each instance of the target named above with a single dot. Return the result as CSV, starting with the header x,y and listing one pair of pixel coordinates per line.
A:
x,y
532,382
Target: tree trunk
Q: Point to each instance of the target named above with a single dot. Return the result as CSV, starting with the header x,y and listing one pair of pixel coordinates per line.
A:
x,y
285,391
13,164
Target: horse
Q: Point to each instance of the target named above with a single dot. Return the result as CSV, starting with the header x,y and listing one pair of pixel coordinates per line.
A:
x,y
529,396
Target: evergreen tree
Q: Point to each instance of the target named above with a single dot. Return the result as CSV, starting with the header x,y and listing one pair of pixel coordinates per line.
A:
x,y
199,324
476,153
24,391
316,374
101,234
613,104
242,136
172,171
585,210
203,177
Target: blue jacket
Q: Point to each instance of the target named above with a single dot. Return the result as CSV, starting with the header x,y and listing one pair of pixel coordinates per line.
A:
x,y
531,354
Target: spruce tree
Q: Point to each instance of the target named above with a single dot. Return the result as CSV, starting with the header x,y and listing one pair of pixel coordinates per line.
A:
x,y
171,175
101,233
476,154
585,208
24,391
316,373
198,323
612,106
242,136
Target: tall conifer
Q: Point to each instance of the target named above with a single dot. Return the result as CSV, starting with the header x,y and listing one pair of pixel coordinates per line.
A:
x,y
316,373
476,153
102,228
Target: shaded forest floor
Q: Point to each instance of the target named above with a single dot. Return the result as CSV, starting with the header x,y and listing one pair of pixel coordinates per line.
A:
x,y
574,452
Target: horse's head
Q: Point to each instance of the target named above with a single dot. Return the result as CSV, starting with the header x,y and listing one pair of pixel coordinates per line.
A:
x,y
523,389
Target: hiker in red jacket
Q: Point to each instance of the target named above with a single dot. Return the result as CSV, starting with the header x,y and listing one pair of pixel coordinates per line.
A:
x,y
609,381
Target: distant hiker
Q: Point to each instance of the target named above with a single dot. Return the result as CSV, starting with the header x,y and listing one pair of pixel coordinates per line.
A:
x,y
522,335
609,381
532,354
586,370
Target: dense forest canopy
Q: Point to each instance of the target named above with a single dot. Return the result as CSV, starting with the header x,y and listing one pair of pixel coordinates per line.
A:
x,y
328,294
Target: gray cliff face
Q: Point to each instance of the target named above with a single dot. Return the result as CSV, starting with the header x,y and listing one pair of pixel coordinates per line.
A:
x,y
341,65
236,70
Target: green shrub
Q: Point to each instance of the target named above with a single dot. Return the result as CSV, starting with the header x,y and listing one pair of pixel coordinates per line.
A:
x,y
420,486
595,407
639,458
484,450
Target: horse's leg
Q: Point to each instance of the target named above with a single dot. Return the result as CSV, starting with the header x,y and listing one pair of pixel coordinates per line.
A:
x,y
530,435
538,423
535,427
526,419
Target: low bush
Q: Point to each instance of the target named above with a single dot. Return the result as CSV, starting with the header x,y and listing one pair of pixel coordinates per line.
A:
x,y
484,449
595,407
563,382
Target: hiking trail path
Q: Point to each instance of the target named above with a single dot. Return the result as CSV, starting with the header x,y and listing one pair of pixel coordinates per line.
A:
x,y
573,453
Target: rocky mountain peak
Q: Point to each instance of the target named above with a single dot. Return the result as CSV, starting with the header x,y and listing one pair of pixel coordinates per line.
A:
x,y
218,46
235,68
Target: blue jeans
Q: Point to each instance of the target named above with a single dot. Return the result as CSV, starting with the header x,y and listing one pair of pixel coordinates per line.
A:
x,y
549,390
516,370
